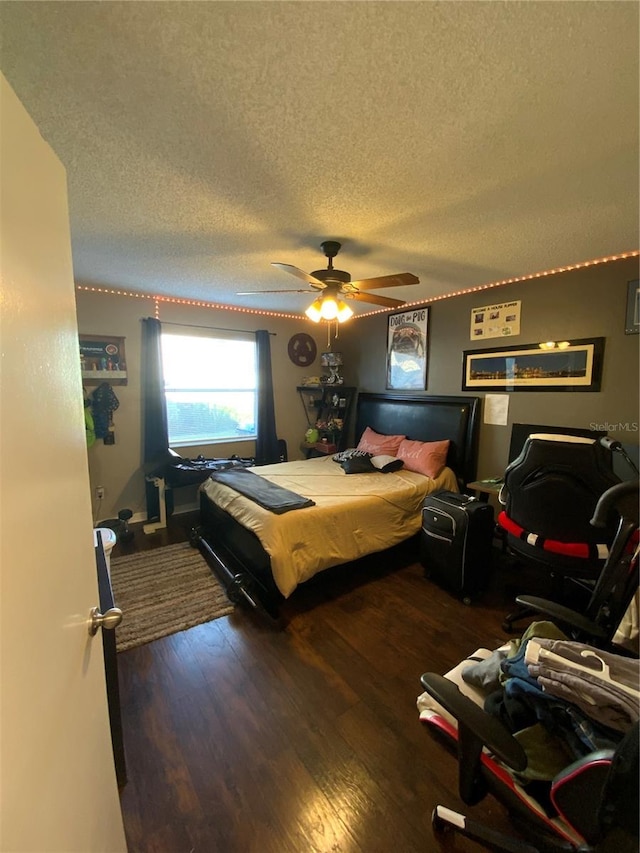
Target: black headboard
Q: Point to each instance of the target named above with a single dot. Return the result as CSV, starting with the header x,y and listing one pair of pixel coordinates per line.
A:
x,y
427,419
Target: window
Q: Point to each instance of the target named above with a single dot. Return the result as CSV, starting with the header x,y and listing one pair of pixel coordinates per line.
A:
x,y
210,387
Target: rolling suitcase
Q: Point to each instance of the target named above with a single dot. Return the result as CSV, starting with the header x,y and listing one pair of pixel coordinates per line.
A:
x,y
455,543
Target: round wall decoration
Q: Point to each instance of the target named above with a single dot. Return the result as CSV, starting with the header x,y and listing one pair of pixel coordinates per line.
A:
x,y
302,349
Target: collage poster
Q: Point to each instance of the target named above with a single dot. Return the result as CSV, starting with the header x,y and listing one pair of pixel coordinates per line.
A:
x,y
495,321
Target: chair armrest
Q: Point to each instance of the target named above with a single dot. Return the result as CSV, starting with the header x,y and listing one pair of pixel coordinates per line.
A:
x,y
487,729
563,614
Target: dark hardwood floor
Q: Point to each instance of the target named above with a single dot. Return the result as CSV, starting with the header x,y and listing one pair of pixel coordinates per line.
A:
x,y
242,738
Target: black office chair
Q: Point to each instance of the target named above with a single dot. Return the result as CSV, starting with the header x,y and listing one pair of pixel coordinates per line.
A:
x,y
614,590
549,496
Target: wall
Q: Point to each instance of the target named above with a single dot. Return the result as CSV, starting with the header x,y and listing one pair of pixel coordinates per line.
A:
x,y
582,303
579,304
118,467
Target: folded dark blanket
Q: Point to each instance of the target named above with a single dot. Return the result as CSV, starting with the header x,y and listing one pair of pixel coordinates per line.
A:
x,y
269,495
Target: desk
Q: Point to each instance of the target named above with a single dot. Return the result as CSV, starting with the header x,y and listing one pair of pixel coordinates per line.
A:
x,y
485,488
186,472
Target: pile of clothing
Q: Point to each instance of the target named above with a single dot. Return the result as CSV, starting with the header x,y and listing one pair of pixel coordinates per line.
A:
x,y
561,699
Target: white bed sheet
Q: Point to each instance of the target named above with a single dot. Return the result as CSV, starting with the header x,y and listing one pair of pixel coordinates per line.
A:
x,y
354,515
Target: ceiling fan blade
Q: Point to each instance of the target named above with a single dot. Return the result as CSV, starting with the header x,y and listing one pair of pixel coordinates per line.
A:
x,y
251,292
398,280
376,300
314,282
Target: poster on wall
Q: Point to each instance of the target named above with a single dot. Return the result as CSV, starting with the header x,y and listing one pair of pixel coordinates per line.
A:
x,y
495,321
407,350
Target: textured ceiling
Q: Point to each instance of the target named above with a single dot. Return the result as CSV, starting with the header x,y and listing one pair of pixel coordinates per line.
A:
x,y
465,142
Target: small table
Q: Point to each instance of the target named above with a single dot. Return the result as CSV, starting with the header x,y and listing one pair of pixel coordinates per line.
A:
x,y
318,448
485,488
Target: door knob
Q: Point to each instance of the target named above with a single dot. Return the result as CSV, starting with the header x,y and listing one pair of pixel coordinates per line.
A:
x,y
109,620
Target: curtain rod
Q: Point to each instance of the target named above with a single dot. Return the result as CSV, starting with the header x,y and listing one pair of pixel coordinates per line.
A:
x,y
213,328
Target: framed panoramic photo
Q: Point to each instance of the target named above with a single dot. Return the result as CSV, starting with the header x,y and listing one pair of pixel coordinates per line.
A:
x,y
407,350
549,366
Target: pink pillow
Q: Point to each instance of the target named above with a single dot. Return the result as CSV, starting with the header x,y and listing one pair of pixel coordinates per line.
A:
x,y
424,457
378,444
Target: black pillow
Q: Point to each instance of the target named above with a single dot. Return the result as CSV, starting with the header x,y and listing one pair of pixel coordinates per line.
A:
x,y
343,455
358,465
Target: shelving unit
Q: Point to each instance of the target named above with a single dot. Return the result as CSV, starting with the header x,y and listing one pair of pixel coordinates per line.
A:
x,y
95,377
102,360
328,409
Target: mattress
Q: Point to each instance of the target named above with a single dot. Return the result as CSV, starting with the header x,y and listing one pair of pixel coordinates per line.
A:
x,y
354,515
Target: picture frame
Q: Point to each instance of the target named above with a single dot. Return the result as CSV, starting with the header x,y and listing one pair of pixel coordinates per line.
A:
x,y
632,317
407,350
549,366
102,359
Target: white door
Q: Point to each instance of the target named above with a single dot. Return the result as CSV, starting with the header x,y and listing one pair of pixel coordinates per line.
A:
x,y
57,779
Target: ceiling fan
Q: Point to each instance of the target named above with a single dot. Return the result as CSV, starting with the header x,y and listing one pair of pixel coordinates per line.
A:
x,y
334,284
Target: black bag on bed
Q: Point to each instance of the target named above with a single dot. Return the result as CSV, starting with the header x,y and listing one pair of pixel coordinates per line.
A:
x,y
455,543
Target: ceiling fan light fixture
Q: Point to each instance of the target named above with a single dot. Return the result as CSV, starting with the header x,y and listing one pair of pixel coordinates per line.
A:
x,y
329,308
314,311
335,283
344,312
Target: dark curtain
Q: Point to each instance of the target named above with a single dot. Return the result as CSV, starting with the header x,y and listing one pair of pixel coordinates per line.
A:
x,y
155,437
267,450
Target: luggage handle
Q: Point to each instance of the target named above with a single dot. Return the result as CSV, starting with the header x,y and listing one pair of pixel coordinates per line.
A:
x,y
454,498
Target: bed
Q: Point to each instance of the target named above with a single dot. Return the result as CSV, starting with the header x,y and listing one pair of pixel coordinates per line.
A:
x,y
262,557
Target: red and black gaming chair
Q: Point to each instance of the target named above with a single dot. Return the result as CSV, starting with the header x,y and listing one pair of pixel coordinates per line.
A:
x,y
549,496
599,621
590,807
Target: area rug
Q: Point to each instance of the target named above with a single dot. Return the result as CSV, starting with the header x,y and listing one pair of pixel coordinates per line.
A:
x,y
163,591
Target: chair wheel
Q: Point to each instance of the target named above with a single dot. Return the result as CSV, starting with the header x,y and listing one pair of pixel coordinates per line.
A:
x,y
507,626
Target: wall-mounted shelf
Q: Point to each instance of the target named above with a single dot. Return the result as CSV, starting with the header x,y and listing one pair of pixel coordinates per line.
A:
x,y
328,409
102,359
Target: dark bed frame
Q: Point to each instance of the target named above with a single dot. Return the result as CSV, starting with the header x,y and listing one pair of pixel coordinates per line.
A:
x,y
235,553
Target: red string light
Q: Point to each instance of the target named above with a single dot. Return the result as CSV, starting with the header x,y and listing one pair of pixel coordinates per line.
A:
x,y
219,307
